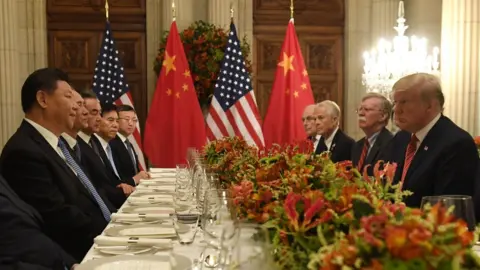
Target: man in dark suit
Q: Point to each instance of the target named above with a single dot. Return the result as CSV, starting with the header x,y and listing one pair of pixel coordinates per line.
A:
x,y
308,120
38,166
87,158
373,116
108,131
327,119
434,156
124,153
23,245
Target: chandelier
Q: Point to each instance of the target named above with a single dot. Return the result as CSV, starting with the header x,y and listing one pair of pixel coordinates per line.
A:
x,y
390,61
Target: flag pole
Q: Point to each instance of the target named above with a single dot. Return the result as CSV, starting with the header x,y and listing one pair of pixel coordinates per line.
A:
x,y
291,9
106,9
231,11
174,14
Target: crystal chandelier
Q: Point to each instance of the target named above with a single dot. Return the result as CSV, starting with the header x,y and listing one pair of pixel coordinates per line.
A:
x,y
390,61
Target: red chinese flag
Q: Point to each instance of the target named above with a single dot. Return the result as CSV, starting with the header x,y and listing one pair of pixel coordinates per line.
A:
x,y
290,94
175,121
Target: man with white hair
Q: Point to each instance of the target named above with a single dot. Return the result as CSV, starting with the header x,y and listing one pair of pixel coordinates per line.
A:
x,y
433,155
373,116
308,121
327,120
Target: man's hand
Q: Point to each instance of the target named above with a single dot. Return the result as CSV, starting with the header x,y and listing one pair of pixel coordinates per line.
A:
x,y
74,266
127,189
141,175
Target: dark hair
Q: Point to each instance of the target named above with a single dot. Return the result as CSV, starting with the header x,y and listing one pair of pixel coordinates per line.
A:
x,y
45,79
125,108
88,94
108,107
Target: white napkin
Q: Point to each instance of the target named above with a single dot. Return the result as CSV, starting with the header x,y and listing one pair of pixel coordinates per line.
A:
x,y
148,231
162,176
164,170
103,240
136,216
152,188
152,200
158,182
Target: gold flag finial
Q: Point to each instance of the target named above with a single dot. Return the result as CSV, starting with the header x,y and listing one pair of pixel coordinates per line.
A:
x,y
291,9
174,12
106,9
231,10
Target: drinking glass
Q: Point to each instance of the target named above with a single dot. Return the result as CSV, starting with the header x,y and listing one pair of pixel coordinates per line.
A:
x,y
191,220
218,223
462,206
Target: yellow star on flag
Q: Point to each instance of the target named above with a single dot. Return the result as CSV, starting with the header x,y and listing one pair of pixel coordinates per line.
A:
x,y
177,94
287,63
305,73
304,86
295,94
186,73
168,63
169,92
185,87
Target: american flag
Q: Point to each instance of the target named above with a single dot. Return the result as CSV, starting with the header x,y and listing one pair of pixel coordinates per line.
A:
x,y
110,85
234,111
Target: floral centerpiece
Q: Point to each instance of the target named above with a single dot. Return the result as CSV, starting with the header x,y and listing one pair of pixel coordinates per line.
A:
x,y
317,211
204,45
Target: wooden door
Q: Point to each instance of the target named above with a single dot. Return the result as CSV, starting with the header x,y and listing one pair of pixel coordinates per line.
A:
x,y
75,30
319,25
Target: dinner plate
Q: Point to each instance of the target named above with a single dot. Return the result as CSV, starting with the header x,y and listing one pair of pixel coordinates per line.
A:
x,y
146,231
125,250
153,196
138,262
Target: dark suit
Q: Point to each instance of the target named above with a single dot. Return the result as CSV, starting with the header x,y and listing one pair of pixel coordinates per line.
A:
x,y
42,178
22,243
108,165
94,166
341,147
382,140
445,163
122,159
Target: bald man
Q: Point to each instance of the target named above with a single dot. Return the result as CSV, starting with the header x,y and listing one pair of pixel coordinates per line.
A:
x,y
434,156
308,121
327,120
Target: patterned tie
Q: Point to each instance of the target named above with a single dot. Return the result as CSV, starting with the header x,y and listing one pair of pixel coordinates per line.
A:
x,y
84,179
409,154
110,158
130,153
363,156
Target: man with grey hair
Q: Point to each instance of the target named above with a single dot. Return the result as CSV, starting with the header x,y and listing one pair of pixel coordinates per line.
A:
x,y
373,116
327,120
308,121
433,155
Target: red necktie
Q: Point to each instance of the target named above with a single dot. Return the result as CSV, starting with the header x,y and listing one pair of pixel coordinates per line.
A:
x,y
363,156
409,154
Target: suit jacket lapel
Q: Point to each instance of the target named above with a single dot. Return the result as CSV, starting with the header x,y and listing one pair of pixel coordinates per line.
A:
x,y
53,155
357,151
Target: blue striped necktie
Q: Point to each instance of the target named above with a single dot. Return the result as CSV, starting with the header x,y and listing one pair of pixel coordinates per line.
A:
x,y
84,179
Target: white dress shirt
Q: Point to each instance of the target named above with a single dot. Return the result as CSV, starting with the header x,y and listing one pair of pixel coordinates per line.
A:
x,y
422,133
329,140
84,136
51,138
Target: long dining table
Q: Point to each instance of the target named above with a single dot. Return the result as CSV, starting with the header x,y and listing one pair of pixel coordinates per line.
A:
x,y
164,186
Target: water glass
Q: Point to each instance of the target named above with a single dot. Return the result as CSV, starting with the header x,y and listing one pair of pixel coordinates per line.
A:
x,y
462,206
190,220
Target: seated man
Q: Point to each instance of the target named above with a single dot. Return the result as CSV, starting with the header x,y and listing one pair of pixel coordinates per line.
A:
x,y
39,168
373,116
23,245
327,120
434,156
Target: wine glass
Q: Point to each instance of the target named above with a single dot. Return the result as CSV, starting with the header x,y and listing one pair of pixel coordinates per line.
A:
x,y
462,206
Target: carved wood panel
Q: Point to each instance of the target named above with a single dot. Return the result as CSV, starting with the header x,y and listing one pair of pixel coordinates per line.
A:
x,y
319,27
75,32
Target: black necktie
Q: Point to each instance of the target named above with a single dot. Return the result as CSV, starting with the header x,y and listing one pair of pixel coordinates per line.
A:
x,y
321,147
130,153
94,147
78,154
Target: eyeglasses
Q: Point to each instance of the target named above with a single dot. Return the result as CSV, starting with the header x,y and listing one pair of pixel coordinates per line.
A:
x,y
128,120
